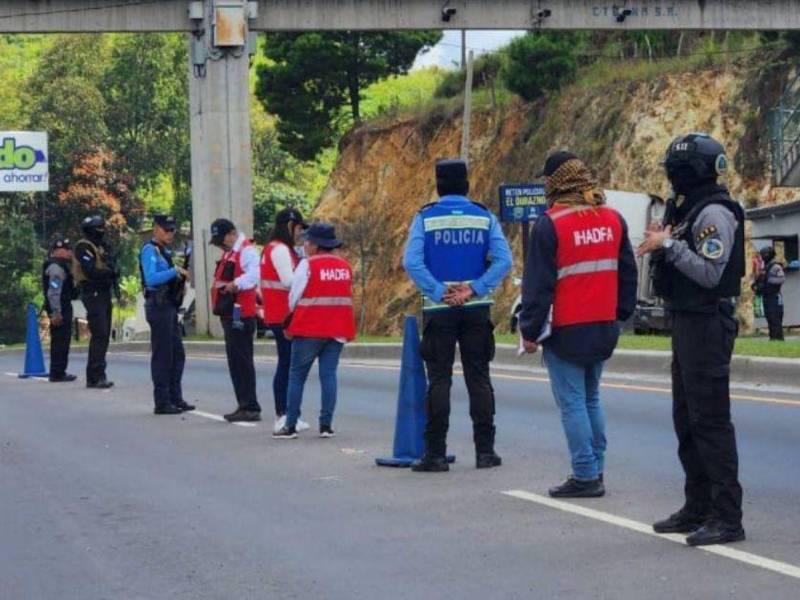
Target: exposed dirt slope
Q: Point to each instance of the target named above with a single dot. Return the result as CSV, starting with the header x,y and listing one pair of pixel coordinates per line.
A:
x,y
385,171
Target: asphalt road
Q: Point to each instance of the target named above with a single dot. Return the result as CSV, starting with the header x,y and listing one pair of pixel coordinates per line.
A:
x,y
101,499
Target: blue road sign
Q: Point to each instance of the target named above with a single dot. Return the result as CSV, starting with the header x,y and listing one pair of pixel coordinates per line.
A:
x,y
521,203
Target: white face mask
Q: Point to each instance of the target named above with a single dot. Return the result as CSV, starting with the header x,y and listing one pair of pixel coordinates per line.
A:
x,y
300,250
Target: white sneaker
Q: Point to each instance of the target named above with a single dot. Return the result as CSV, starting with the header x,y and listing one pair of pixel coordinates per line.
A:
x,y
280,423
302,425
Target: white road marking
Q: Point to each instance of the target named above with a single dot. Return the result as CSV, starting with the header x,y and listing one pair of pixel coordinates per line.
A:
x,y
726,551
213,417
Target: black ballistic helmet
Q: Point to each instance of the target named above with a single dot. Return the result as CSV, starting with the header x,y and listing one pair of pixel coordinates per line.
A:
x,y
694,158
767,253
94,227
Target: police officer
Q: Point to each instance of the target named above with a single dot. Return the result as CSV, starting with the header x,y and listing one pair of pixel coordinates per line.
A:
x,y
457,255
233,297
96,276
768,284
59,292
160,281
699,263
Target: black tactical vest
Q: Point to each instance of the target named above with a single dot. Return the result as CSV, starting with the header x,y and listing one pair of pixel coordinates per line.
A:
x,y
166,293
770,289
68,291
684,295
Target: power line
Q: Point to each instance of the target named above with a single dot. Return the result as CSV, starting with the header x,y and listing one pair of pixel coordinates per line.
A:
x,y
62,11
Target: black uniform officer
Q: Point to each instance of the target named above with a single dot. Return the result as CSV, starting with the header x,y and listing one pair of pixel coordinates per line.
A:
x,y
768,284
698,267
161,281
96,277
59,292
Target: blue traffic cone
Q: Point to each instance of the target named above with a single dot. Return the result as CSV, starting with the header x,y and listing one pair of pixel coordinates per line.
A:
x,y
34,359
409,442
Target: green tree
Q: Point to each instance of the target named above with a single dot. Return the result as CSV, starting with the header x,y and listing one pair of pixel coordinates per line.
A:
x,y
146,91
310,77
538,64
65,99
20,259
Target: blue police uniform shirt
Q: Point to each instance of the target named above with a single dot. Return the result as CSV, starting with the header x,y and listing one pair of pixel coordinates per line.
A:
x,y
155,268
455,240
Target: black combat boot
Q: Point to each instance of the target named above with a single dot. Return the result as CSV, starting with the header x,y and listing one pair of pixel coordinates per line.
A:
x,y
487,460
485,456
431,464
100,384
716,532
686,520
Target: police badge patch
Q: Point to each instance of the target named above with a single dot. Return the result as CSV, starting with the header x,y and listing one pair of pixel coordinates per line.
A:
x,y
712,249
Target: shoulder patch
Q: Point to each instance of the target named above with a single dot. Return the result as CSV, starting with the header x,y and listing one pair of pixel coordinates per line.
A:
x,y
427,206
712,249
708,231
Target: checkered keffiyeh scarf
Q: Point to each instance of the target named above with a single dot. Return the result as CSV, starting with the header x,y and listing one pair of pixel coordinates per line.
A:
x,y
573,184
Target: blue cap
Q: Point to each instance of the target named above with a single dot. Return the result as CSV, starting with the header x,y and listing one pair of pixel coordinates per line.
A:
x,y
323,235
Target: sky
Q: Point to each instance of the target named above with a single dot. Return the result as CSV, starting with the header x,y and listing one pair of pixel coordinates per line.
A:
x,y
447,53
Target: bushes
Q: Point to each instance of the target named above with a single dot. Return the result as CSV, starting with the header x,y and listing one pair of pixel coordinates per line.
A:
x,y
538,64
486,71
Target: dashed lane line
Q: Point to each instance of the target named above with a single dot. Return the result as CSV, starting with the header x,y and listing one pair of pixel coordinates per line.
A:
x,y
727,551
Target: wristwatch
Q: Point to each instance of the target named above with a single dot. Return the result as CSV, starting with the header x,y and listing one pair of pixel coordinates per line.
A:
x,y
668,243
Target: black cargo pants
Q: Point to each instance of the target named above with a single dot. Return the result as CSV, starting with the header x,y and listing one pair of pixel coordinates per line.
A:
x,y
702,344
773,311
60,340
98,315
473,331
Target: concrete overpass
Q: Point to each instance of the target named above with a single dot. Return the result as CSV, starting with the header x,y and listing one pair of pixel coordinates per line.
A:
x,y
28,16
219,100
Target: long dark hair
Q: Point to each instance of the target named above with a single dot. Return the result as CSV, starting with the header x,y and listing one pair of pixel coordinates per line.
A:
x,y
281,232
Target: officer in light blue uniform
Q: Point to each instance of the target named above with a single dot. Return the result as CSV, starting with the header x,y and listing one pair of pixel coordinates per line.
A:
x,y
160,279
457,255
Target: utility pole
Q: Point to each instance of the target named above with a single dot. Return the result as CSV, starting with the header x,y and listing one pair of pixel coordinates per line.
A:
x,y
463,49
219,102
467,109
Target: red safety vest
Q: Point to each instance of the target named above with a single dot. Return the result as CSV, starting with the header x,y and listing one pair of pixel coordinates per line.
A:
x,y
274,295
326,308
589,241
246,299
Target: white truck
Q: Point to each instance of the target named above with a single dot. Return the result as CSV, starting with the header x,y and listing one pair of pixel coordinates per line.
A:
x,y
638,210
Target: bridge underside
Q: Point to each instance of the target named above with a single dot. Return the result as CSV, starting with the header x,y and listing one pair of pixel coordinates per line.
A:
x,y
50,16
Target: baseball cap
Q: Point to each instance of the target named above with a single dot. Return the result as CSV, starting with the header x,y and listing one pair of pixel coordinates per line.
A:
x,y
60,241
219,229
290,215
165,221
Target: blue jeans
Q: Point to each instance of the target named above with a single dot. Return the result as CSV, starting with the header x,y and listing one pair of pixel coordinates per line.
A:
x,y
280,382
304,351
577,392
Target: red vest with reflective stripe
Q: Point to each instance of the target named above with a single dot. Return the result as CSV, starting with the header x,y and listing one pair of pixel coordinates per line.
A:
x,y
589,241
326,307
246,299
274,295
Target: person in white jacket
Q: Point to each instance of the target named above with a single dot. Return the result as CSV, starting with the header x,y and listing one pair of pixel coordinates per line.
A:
x,y
279,260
